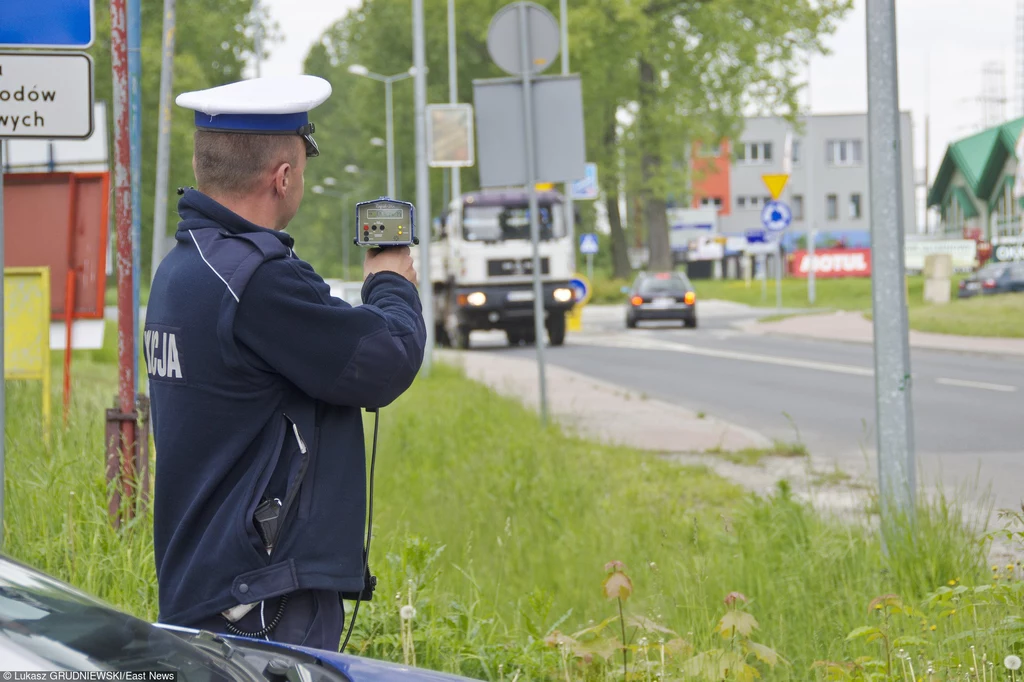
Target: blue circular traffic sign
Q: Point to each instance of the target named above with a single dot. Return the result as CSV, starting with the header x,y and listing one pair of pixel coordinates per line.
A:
x,y
776,216
581,288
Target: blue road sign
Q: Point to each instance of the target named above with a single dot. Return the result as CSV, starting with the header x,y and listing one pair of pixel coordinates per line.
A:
x,y
755,236
47,23
586,188
580,288
776,216
588,243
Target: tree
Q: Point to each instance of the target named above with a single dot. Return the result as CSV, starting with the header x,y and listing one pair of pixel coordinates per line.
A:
x,y
213,42
657,75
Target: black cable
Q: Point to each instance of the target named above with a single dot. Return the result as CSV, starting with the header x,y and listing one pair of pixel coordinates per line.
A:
x,y
369,525
264,631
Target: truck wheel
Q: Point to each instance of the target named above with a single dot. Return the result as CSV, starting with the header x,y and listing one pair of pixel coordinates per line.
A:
x,y
556,329
461,339
441,336
514,337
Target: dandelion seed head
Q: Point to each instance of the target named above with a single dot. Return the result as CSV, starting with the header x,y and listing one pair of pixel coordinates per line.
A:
x,y
1012,662
407,612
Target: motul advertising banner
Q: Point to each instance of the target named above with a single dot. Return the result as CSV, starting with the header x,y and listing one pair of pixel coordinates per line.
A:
x,y
833,263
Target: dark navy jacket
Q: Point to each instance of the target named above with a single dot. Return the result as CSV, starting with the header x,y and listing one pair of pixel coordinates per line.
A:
x,y
257,376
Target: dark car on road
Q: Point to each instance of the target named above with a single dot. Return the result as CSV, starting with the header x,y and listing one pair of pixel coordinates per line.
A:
x,y
47,626
994,278
662,296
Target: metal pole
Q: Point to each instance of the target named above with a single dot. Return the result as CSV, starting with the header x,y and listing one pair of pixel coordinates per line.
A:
x,y
390,138
778,272
423,178
163,147
590,267
344,236
123,210
3,332
453,89
257,39
570,211
134,95
531,190
811,154
894,409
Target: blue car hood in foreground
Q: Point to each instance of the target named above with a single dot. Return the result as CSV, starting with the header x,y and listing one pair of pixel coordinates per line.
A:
x,y
355,668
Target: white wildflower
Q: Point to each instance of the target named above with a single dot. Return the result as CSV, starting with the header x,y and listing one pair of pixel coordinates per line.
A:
x,y
407,612
1012,662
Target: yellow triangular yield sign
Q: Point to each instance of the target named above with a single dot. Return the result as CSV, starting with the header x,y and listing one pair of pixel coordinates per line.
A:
x,y
775,184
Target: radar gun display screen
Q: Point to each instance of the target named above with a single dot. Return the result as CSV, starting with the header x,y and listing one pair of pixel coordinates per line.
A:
x,y
385,222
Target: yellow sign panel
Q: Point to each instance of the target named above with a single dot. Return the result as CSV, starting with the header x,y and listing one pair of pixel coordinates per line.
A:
x,y
27,329
775,184
544,186
574,318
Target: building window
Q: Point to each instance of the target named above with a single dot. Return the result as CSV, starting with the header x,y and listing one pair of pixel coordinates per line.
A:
x,y
798,207
844,152
796,152
708,151
741,202
832,207
712,201
855,206
751,153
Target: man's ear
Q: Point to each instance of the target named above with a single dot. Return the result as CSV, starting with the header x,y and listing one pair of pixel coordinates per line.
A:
x,y
284,176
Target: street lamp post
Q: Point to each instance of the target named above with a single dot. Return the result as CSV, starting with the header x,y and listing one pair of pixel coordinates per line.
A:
x,y
319,189
360,70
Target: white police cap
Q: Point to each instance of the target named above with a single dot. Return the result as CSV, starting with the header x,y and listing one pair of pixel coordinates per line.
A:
x,y
274,105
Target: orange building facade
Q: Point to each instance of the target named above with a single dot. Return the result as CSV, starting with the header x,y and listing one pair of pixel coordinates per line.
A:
x,y
710,168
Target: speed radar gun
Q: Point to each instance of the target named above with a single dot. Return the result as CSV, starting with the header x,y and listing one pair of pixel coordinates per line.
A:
x,y
385,222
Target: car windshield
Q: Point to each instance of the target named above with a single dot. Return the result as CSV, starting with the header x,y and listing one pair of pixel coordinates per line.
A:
x,y
45,626
503,223
672,285
992,271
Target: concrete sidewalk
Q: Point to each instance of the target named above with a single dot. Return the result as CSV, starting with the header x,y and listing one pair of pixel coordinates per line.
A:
x,y
595,409
854,327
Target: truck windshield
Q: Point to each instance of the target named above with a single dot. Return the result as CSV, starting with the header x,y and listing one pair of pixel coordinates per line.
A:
x,y
503,223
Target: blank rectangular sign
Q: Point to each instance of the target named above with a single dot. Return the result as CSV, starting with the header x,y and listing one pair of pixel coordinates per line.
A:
x,y
559,144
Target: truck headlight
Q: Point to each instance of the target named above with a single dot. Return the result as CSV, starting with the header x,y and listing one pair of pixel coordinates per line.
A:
x,y
563,295
477,298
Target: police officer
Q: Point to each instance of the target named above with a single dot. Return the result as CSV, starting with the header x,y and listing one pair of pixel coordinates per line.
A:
x,y
257,376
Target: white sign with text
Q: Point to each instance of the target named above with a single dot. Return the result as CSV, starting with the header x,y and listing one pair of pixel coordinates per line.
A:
x,y
46,95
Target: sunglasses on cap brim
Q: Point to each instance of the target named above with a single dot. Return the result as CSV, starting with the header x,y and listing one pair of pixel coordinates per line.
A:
x,y
306,133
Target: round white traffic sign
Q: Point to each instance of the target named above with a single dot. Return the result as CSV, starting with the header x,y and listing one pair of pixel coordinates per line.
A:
x,y
776,216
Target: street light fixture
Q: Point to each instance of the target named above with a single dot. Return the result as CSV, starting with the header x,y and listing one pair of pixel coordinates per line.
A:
x,y
360,70
344,196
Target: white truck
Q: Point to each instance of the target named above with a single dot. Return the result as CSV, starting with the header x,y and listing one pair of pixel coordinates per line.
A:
x,y
482,267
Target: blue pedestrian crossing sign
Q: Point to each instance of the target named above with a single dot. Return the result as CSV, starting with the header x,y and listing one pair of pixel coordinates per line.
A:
x,y
776,216
588,243
586,188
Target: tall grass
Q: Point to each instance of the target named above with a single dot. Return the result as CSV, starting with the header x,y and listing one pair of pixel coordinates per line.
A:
x,y
495,533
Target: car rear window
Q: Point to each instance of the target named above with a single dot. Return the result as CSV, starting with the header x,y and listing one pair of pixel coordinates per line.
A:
x,y
674,285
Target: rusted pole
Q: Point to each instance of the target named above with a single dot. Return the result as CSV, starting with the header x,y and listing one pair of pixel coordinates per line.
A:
x,y
123,211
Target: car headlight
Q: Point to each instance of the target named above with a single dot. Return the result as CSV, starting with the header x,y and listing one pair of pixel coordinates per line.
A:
x,y
563,295
477,298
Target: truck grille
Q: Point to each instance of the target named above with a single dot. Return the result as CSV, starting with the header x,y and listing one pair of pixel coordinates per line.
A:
x,y
506,267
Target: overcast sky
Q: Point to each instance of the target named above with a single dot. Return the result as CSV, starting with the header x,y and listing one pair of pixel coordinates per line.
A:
x,y
943,48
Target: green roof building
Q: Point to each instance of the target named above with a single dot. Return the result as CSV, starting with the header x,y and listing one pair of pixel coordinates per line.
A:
x,y
973,189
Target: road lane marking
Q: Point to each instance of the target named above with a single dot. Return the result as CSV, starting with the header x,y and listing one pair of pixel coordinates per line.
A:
x,y
976,384
651,344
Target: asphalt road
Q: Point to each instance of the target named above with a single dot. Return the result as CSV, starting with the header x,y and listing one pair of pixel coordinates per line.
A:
x,y
968,408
